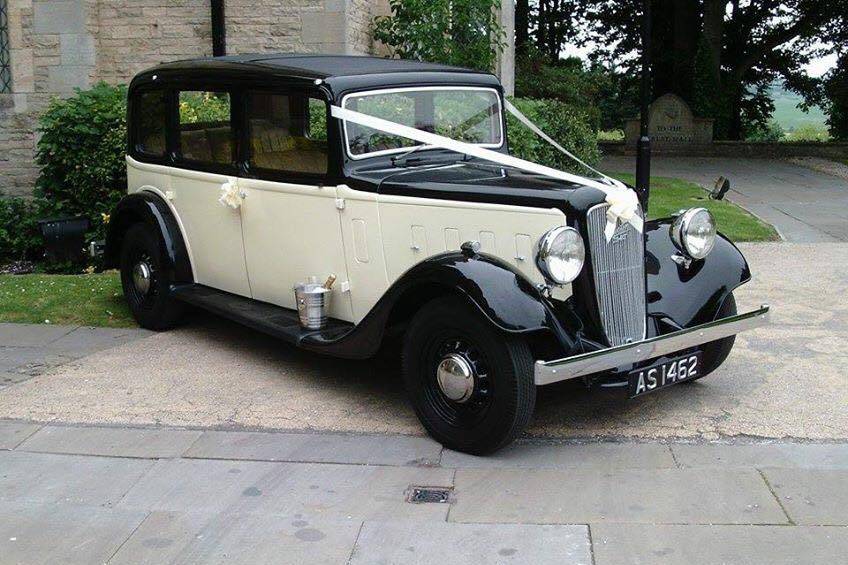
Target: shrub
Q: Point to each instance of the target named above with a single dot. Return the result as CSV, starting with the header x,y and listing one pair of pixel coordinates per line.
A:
x,y
771,133
568,126
20,237
81,154
808,132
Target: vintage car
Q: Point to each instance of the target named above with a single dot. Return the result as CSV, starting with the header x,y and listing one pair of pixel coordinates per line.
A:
x,y
249,175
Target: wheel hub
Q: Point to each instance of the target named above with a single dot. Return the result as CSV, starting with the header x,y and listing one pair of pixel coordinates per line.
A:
x,y
455,375
141,275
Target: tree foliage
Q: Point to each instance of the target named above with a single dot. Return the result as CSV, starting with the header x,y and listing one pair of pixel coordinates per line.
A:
x,y
465,33
719,55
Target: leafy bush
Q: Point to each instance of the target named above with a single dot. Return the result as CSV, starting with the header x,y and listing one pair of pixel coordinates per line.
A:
x,y
809,132
568,126
465,33
771,133
20,237
81,154
607,98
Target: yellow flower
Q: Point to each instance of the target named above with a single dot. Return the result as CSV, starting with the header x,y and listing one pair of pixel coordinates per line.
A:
x,y
105,217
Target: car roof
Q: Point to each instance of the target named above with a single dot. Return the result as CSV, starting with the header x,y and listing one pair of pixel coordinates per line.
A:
x,y
340,72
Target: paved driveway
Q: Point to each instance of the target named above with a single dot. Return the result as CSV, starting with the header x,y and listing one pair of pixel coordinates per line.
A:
x,y
785,381
804,205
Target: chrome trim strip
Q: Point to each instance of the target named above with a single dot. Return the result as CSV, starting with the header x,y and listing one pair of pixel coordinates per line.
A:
x,y
547,372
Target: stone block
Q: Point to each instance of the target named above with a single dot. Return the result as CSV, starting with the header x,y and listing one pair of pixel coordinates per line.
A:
x,y
58,16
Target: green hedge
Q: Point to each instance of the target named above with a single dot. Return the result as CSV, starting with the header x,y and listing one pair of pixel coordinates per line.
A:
x,y
565,124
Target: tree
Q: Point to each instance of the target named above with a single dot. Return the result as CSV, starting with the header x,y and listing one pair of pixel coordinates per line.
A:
x,y
720,55
835,90
465,33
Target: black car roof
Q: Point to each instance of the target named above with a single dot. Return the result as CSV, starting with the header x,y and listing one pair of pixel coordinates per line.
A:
x,y
340,72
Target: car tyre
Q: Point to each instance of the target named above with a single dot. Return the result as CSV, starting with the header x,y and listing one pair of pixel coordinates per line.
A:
x,y
716,352
480,413
145,281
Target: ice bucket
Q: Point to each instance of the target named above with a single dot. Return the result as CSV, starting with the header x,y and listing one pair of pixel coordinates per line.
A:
x,y
313,301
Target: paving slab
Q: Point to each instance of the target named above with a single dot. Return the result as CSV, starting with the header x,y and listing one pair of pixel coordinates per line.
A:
x,y
13,433
314,490
812,496
567,456
41,478
178,538
317,448
49,534
579,496
31,335
113,442
788,455
471,544
85,340
623,544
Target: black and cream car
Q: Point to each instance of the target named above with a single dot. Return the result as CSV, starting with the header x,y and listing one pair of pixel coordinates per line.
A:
x,y
250,175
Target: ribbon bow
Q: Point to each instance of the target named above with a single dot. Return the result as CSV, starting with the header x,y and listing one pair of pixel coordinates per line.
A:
x,y
624,207
230,195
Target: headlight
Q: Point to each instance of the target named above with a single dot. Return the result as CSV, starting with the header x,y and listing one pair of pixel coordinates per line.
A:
x,y
560,255
694,232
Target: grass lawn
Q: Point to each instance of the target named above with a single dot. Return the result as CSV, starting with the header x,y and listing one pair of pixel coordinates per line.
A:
x,y
668,195
89,300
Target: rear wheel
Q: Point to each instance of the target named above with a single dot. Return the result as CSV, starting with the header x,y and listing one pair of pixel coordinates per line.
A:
x,y
145,282
716,352
471,385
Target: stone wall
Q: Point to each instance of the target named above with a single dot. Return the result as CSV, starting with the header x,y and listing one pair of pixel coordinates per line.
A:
x,y
61,44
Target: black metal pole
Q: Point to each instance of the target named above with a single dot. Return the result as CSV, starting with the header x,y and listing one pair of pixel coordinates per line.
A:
x,y
219,29
643,146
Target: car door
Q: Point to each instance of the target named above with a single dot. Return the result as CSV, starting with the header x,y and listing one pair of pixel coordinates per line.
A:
x,y
204,161
290,217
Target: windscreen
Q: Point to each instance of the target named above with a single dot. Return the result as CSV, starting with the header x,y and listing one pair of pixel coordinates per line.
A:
x,y
472,115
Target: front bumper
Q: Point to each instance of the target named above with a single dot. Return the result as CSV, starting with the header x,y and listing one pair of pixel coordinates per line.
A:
x,y
547,372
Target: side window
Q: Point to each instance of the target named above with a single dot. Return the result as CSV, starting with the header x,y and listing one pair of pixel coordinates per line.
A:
x,y
150,119
288,133
205,131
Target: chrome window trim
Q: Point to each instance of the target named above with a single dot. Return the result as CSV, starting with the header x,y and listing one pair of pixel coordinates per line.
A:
x,y
363,93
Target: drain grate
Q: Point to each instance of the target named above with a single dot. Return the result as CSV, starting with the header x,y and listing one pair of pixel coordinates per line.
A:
x,y
428,495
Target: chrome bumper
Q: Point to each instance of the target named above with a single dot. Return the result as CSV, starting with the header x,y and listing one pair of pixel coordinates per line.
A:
x,y
547,372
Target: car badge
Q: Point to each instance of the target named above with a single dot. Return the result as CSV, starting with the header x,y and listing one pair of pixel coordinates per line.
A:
x,y
620,235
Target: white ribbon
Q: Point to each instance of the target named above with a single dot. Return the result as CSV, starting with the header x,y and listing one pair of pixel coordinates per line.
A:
x,y
230,195
623,202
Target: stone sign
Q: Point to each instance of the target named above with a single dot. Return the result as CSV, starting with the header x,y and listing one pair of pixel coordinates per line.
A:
x,y
671,124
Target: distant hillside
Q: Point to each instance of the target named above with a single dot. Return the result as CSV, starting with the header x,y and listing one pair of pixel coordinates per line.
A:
x,y
787,113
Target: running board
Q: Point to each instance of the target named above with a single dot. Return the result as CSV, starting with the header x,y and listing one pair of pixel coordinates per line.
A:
x,y
276,321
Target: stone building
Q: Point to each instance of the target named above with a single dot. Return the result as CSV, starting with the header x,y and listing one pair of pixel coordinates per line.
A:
x,y
49,47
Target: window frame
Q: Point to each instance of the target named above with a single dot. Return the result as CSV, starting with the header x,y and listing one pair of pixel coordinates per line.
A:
x,y
280,175
383,152
135,115
7,82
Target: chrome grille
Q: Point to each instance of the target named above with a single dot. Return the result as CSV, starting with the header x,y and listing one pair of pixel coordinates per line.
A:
x,y
618,267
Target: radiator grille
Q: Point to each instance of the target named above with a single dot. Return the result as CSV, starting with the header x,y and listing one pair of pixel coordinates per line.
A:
x,y
618,267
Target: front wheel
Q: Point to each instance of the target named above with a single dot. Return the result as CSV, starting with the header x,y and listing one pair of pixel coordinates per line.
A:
x,y
470,385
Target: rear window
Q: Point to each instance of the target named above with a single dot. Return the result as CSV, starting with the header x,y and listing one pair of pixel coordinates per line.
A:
x,y
151,116
288,133
206,134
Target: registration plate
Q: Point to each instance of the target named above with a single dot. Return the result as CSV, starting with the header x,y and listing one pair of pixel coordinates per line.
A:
x,y
649,379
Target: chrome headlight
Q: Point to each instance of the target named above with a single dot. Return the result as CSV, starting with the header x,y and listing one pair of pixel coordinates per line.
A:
x,y
694,232
560,255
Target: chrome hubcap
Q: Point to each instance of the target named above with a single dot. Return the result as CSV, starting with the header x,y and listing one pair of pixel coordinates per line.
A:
x,y
455,376
141,277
